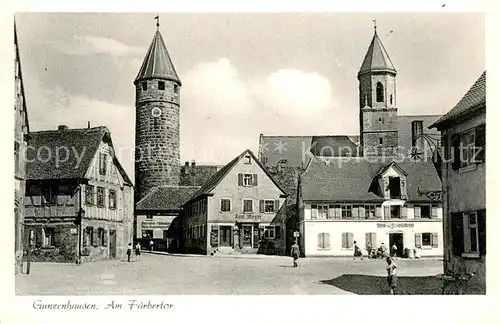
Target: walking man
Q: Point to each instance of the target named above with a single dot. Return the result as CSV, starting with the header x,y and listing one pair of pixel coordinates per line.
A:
x,y
357,251
151,243
295,252
394,251
138,251
129,251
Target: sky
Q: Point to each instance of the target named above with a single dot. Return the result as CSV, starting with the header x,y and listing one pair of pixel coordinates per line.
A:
x,y
242,74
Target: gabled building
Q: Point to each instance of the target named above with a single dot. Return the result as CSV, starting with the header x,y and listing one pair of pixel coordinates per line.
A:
x,y
21,131
239,210
78,200
464,184
342,200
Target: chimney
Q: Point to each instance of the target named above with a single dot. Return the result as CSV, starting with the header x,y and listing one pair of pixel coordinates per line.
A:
x,y
193,163
88,124
62,127
186,164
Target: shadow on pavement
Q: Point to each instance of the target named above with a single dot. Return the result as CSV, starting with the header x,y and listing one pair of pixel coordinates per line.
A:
x,y
376,285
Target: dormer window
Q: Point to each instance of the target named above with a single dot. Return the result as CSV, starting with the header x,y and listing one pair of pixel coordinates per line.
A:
x,y
395,187
144,86
161,85
380,92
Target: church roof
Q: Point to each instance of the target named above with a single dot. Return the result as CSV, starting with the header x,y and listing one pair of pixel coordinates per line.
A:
x,y
157,63
376,58
472,101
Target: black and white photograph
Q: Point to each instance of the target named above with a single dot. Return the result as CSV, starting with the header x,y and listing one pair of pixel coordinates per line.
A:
x,y
248,154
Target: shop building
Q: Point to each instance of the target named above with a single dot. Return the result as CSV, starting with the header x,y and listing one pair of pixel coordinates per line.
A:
x,y
241,209
79,200
464,185
370,201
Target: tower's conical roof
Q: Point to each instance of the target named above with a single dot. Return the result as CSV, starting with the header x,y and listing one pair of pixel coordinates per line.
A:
x,y
376,59
157,63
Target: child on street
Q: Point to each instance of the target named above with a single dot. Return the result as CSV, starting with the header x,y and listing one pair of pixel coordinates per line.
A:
x,y
391,274
129,251
138,251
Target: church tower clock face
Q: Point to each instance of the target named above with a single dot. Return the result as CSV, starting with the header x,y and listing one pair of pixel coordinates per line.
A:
x,y
156,112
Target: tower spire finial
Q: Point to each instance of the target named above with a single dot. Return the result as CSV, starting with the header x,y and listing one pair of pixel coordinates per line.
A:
x,y
375,25
157,22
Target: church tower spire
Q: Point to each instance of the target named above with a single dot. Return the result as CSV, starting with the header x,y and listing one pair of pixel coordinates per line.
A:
x,y
377,100
157,138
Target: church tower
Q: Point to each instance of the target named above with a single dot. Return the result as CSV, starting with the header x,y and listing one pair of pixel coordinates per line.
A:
x,y
157,105
377,99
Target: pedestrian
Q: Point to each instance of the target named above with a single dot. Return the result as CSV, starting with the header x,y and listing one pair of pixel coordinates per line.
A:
x,y
151,243
129,251
391,274
295,252
357,251
138,251
394,250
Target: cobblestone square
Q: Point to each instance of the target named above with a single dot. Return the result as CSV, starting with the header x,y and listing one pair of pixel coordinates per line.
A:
x,y
158,274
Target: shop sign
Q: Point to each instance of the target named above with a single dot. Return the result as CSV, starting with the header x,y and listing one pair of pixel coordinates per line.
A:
x,y
395,225
155,224
248,218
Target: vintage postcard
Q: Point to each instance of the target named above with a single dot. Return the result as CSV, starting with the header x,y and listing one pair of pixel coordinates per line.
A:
x,y
299,153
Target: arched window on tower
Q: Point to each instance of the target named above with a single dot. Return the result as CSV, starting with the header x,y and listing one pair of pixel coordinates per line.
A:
x,y
391,99
380,92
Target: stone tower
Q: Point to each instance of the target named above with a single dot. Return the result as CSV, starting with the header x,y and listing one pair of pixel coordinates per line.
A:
x,y
377,100
157,105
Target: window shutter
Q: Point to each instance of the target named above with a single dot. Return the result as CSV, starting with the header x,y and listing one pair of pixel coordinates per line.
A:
x,y
455,146
327,240
261,206
276,205
481,226
277,231
57,236
434,240
240,179
417,211
349,240
344,240
314,211
403,188
320,240
378,212
38,236
457,231
338,212
331,212
387,212
374,239
434,212
404,212
361,211
368,239
261,231
255,182
105,242
480,143
418,240
95,237
355,212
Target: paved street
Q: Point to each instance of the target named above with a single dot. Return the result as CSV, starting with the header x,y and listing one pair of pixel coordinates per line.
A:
x,y
176,275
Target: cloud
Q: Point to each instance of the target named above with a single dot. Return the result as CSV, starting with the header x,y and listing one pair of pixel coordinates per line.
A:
x,y
215,88
88,45
292,92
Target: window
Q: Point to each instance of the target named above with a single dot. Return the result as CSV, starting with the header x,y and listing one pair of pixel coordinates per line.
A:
x,y
248,159
269,232
425,211
100,235
102,163
369,211
346,211
371,239
144,86
165,234
225,205
426,239
390,100
322,211
417,130
100,197
89,236
112,199
394,187
48,236
161,85
380,92
467,148
323,241
269,206
347,240
247,205
149,216
247,179
49,195
89,195
176,88
395,211
380,140
472,233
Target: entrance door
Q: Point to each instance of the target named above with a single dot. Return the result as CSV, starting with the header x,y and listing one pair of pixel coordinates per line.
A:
x,y
112,244
396,238
225,235
247,236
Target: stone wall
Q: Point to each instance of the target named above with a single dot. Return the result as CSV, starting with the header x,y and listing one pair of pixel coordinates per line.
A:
x,y
64,248
157,136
